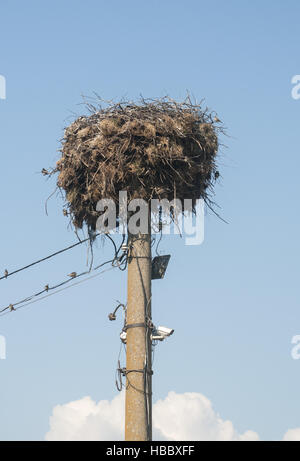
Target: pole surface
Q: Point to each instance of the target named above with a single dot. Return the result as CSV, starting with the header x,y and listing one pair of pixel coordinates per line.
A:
x,y
138,402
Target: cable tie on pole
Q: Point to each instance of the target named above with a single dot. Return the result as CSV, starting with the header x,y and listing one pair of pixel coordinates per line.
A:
x,y
134,325
125,372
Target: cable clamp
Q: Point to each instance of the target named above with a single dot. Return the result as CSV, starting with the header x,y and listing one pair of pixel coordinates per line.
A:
x,y
125,372
134,325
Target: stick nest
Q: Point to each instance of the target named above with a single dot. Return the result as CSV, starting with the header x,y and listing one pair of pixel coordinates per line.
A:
x,y
151,149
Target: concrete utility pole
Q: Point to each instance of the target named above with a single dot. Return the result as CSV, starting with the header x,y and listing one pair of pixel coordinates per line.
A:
x,y
138,406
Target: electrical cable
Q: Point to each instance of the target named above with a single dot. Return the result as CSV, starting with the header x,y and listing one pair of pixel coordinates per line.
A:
x,y
117,261
2,312
8,274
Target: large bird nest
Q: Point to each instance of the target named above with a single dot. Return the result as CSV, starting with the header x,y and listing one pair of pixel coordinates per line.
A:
x,y
151,149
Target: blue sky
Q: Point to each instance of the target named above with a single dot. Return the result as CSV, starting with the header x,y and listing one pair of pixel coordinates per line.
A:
x,y
234,300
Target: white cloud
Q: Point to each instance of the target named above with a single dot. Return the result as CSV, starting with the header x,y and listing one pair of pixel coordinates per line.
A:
x,y
190,416
187,416
292,435
85,419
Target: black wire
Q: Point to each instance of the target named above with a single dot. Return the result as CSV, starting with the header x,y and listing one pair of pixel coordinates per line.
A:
x,y
44,259
117,261
113,242
55,292
54,287
129,384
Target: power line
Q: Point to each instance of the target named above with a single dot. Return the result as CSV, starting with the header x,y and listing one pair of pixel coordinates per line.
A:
x,y
116,261
8,274
122,267
5,311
